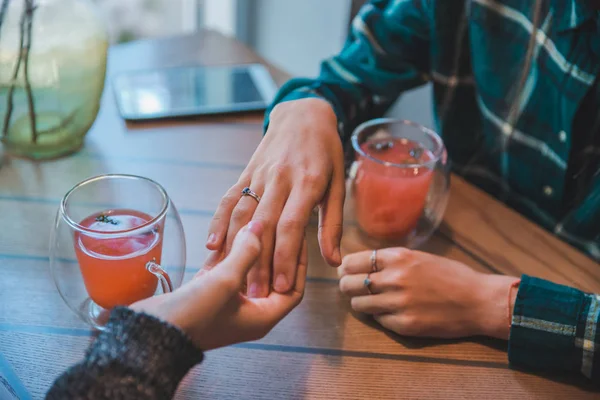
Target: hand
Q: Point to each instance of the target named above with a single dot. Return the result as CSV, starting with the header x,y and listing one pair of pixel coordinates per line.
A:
x,y
298,165
211,309
419,294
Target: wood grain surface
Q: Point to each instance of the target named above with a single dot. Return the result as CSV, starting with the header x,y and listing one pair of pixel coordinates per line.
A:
x,y
322,350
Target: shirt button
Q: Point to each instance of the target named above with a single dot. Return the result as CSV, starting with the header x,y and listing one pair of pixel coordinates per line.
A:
x,y
562,136
548,190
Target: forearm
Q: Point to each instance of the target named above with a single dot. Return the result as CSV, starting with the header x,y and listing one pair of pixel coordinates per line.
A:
x,y
386,53
138,357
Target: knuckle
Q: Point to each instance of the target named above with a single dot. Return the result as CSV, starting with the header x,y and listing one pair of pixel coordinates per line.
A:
x,y
278,169
397,278
291,223
401,254
241,214
310,179
266,218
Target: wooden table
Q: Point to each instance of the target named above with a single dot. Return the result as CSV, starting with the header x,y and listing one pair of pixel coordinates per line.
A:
x,y
321,351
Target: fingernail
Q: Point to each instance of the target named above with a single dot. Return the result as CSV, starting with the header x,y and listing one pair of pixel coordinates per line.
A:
x,y
212,239
281,283
256,227
253,290
338,255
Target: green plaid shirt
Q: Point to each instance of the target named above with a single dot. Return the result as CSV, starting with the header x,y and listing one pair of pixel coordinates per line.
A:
x,y
527,133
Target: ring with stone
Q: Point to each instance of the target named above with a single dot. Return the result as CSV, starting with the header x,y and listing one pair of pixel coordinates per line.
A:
x,y
249,192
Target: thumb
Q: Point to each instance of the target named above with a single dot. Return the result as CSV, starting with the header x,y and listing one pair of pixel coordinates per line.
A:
x,y
244,252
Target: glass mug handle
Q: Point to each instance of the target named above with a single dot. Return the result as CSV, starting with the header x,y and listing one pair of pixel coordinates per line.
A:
x,y
161,275
353,170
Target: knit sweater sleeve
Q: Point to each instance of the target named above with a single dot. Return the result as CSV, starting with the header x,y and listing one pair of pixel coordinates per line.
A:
x,y
136,357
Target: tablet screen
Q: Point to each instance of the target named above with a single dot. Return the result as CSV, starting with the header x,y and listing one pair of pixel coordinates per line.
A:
x,y
193,90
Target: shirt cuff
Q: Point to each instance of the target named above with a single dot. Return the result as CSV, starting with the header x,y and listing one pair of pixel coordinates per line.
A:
x,y
549,327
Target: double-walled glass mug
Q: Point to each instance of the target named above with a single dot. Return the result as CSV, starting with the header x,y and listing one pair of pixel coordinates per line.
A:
x,y
117,239
400,181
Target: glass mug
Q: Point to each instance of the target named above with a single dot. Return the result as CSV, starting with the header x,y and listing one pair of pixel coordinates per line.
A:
x,y
400,181
117,239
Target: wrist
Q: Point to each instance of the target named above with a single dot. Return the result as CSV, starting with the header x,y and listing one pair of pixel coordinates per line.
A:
x,y
308,109
496,296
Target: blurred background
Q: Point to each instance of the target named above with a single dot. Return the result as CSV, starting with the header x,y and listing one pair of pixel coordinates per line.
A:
x,y
294,35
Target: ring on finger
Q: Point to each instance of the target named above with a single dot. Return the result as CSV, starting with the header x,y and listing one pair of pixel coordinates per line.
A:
x,y
367,283
249,192
374,267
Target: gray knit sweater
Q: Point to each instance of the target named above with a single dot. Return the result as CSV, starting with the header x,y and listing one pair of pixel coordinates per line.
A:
x,y
137,357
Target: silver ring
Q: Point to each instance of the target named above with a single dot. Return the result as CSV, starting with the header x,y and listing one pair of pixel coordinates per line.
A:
x,y
367,283
374,261
249,192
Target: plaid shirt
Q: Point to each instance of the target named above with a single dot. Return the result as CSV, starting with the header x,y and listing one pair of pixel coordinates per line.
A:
x,y
526,132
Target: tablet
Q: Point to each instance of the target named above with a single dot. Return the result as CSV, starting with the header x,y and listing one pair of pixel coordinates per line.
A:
x,y
190,91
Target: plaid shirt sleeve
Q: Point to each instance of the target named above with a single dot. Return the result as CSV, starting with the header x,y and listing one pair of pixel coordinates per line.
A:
x,y
386,53
555,327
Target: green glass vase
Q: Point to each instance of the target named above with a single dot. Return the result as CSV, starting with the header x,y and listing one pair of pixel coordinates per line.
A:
x,y
52,69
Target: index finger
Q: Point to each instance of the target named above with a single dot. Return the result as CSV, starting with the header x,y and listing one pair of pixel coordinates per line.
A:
x,y
217,230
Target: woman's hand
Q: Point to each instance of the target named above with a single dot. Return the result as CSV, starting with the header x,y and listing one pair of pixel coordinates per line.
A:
x,y
419,294
298,165
211,309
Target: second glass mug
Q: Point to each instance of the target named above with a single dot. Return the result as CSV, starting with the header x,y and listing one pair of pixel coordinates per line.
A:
x,y
400,181
117,239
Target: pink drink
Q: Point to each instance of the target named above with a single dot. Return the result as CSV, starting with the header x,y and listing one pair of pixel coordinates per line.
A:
x,y
390,199
114,269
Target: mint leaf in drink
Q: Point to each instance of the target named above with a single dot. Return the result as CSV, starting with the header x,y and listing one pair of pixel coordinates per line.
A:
x,y
106,219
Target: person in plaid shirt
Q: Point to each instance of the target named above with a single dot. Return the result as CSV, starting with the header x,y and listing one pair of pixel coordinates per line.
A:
x,y
517,101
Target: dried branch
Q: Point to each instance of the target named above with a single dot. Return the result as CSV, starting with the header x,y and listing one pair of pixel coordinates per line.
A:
x,y
29,9
25,25
3,9
13,81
